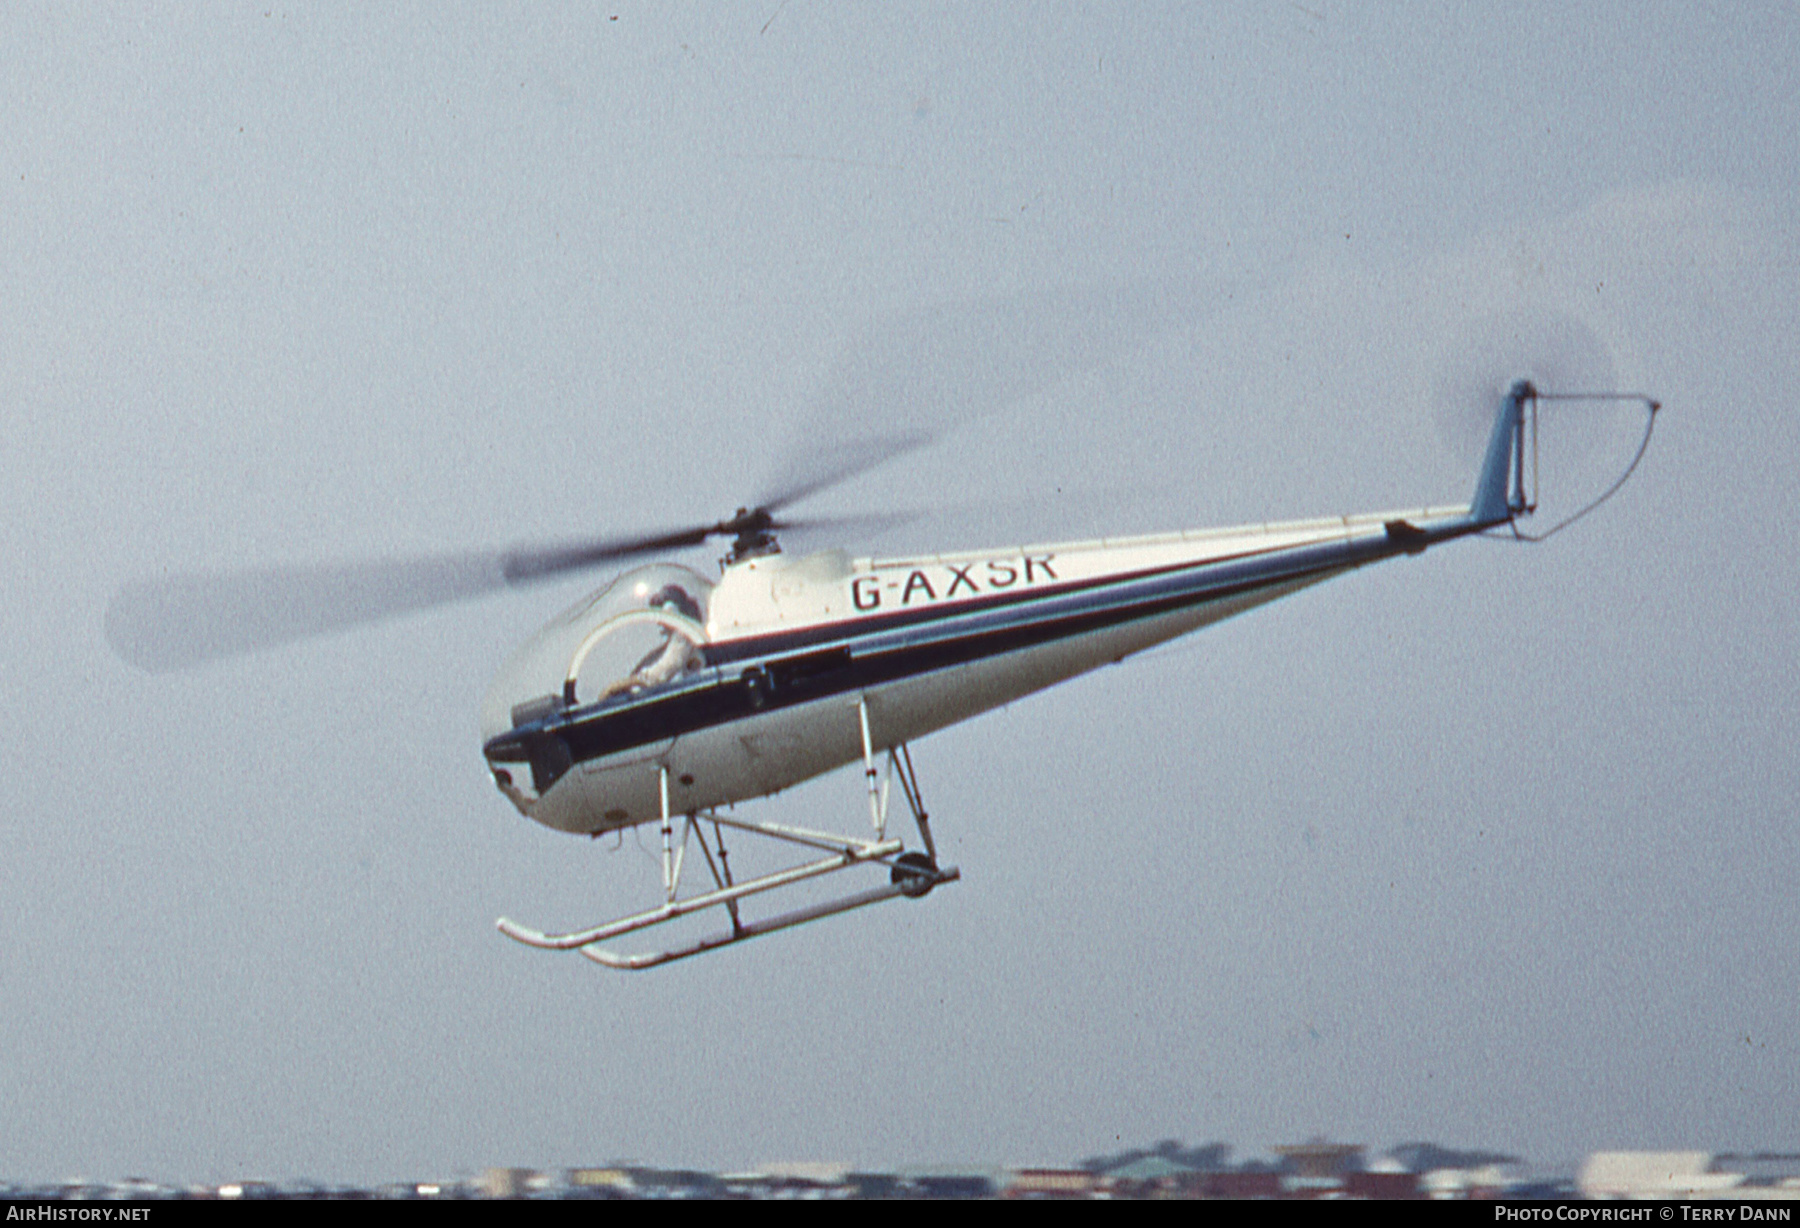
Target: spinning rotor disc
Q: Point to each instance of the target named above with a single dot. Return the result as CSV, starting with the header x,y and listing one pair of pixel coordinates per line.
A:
x,y
179,622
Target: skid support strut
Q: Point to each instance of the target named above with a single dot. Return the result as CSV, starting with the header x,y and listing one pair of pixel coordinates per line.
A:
x,y
909,874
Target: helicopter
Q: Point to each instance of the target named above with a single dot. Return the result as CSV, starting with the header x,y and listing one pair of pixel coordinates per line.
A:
x,y
667,698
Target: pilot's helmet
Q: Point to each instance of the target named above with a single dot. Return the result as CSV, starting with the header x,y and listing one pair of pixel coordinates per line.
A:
x,y
677,600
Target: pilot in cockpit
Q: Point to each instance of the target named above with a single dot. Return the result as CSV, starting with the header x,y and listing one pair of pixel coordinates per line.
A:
x,y
678,652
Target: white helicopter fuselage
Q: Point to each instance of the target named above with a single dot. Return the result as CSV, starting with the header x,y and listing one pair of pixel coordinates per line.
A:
x,y
668,697
774,680
787,668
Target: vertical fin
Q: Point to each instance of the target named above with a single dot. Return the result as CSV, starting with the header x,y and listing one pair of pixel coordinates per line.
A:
x,y
1491,504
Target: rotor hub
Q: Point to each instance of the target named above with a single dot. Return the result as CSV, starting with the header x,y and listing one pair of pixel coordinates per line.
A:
x,y
753,534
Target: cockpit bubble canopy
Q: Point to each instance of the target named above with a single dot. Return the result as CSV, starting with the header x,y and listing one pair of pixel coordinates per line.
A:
x,y
642,632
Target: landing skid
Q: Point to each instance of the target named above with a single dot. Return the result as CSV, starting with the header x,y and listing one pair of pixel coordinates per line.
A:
x,y
909,874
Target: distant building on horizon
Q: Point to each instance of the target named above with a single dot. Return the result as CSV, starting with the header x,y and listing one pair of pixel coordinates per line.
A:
x,y
1689,1174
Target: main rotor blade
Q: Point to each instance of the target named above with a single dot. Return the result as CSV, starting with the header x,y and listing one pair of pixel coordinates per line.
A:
x,y
950,364
808,473
834,529
183,621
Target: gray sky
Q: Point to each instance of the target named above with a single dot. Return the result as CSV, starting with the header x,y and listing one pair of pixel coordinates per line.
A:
x,y
1495,847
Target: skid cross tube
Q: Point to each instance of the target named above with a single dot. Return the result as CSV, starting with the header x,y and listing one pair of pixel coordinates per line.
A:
x,y
798,835
721,870
877,796
901,765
